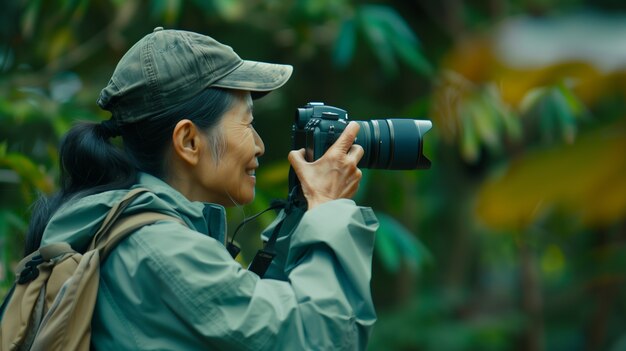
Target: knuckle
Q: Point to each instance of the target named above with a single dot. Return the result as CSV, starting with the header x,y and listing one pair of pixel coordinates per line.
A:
x,y
350,166
359,173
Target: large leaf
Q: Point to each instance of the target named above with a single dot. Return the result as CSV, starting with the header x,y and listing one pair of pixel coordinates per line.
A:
x,y
555,110
389,37
586,179
396,244
29,173
409,53
345,44
376,34
475,117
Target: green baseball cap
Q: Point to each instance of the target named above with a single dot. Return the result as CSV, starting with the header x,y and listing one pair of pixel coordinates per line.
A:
x,y
167,67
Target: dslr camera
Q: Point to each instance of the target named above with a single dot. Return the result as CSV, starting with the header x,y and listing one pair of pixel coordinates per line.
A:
x,y
394,143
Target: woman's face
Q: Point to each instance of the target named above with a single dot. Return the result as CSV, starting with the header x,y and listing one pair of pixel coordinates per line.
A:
x,y
231,180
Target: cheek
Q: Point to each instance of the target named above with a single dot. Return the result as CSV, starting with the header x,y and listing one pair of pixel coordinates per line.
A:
x,y
242,147
231,167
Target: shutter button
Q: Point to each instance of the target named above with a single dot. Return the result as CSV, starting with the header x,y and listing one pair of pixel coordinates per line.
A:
x,y
157,29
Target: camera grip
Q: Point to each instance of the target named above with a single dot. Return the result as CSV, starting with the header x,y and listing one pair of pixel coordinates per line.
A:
x,y
295,194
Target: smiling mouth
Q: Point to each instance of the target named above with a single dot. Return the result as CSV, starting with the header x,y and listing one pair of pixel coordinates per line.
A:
x,y
251,172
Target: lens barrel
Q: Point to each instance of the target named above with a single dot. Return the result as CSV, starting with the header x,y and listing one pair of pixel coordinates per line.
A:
x,y
393,143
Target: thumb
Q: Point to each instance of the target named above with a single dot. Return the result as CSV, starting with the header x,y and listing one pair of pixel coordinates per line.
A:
x,y
296,158
346,139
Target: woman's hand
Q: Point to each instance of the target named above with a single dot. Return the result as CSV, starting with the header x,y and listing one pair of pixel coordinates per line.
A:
x,y
335,175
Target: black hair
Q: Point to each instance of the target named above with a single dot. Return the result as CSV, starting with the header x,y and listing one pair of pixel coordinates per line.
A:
x,y
90,163
146,139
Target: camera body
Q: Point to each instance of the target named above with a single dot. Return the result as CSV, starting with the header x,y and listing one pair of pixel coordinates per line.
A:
x,y
317,127
387,143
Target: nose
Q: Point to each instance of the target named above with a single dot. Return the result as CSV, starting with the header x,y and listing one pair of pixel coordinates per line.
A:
x,y
259,145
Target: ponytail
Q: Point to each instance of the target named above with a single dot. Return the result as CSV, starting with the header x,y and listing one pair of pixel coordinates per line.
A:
x,y
89,164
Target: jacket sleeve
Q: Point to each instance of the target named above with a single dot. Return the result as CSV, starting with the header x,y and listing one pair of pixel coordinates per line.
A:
x,y
329,261
324,304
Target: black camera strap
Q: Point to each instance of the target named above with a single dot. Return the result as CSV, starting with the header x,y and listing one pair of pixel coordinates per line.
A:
x,y
232,248
263,258
294,211
296,196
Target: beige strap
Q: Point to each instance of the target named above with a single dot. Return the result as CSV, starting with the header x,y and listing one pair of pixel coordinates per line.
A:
x,y
125,226
110,233
115,212
51,251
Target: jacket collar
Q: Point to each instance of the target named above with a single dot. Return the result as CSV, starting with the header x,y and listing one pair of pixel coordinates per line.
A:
x,y
207,218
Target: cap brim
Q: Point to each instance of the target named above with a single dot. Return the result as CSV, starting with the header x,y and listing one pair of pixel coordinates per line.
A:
x,y
256,77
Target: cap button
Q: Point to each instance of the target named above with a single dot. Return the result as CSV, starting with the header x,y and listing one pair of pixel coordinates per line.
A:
x,y
157,29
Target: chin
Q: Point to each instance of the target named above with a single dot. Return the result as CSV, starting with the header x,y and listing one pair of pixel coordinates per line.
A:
x,y
247,200
237,200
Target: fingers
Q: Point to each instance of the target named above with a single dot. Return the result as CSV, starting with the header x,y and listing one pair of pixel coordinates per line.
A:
x,y
356,152
296,158
352,184
346,139
334,176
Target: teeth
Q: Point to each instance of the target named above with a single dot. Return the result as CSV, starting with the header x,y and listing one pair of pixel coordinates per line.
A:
x,y
251,172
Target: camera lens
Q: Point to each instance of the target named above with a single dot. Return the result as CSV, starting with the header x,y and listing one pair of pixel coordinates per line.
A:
x,y
393,143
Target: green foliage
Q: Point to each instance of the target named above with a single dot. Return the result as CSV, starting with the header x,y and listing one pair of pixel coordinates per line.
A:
x,y
395,244
476,116
487,122
28,173
388,36
556,111
430,323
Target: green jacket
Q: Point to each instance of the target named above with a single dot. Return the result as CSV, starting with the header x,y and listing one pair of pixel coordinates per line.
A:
x,y
172,287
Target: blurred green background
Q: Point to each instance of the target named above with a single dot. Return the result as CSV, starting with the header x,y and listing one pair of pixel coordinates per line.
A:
x,y
514,240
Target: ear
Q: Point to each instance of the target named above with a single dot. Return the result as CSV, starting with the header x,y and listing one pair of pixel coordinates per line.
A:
x,y
187,142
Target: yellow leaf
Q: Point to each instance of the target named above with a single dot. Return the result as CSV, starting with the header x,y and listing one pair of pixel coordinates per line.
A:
x,y
60,43
586,179
30,174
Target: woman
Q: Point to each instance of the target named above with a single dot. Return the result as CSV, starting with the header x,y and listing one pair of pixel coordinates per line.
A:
x,y
182,103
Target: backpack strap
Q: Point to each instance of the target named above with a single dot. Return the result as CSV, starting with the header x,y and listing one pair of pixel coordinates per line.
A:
x,y
124,227
114,229
116,211
110,233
